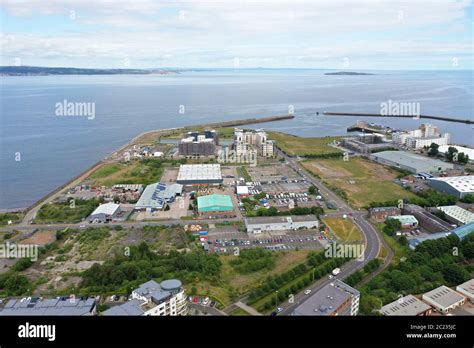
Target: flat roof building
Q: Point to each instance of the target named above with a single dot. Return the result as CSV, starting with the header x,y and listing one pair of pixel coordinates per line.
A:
x,y
458,186
190,174
467,289
63,306
156,195
466,150
336,298
215,203
411,162
407,305
280,223
444,299
457,214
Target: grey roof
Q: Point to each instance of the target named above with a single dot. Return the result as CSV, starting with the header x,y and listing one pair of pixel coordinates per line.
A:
x,y
170,284
443,296
279,219
132,307
327,300
152,290
157,194
467,287
410,160
63,306
408,305
197,172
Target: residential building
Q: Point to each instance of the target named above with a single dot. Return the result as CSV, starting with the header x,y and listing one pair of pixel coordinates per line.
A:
x,y
215,204
444,299
246,140
196,144
157,195
382,213
411,162
467,289
334,299
458,186
280,223
192,174
105,212
407,221
457,215
425,135
62,306
154,299
407,305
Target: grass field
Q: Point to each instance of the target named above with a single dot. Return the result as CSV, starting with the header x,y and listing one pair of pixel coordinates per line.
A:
x,y
134,172
239,312
399,250
294,145
13,217
362,180
233,285
344,229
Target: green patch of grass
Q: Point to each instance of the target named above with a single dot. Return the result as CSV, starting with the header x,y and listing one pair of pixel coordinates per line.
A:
x,y
294,145
66,212
344,229
243,173
239,312
13,217
105,171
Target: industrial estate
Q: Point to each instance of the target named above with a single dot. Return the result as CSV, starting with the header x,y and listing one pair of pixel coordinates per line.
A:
x,y
226,220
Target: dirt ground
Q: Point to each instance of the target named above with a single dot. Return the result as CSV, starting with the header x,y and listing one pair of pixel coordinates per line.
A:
x,y
40,238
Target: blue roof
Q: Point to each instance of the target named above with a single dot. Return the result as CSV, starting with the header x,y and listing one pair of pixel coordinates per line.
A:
x,y
463,231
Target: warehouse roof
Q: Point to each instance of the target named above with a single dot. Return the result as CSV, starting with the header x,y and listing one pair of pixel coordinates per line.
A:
x,y
63,306
468,151
156,195
279,219
326,300
462,215
190,172
463,231
408,305
107,209
215,203
410,160
443,296
413,243
242,190
467,287
459,183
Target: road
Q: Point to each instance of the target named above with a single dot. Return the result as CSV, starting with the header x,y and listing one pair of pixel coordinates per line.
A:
x,y
372,239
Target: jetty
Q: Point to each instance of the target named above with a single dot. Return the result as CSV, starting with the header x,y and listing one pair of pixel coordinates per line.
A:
x,y
440,118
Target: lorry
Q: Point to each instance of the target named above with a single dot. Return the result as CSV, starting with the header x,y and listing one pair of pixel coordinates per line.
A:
x,y
336,271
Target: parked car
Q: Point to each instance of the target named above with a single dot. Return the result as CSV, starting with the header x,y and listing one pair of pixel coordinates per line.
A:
x,y
279,309
307,291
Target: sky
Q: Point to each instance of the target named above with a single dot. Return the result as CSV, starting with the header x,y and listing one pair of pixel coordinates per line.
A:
x,y
329,34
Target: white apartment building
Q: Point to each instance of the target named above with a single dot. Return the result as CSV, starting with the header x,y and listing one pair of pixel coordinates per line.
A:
x,y
154,299
245,141
425,135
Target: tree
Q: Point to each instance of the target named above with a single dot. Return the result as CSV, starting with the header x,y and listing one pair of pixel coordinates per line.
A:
x,y
450,153
433,150
312,190
455,274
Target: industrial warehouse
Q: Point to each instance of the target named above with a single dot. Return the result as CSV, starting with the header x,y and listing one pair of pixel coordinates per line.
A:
x,y
458,186
155,196
193,174
280,223
411,162
213,204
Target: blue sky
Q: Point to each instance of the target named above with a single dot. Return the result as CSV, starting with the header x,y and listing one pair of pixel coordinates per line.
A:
x,y
337,34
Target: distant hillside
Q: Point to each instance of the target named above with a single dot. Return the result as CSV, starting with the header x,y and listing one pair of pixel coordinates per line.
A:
x,y
38,71
347,73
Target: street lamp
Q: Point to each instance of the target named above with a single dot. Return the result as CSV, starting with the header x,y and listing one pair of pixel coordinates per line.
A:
x,y
276,298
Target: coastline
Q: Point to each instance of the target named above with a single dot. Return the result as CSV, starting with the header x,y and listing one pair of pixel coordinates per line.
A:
x,y
135,140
